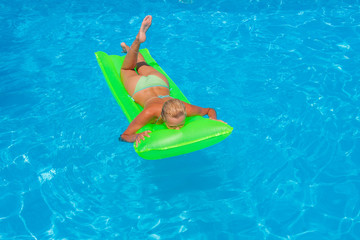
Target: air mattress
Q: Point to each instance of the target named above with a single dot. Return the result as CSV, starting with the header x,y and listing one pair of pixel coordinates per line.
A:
x,y
198,132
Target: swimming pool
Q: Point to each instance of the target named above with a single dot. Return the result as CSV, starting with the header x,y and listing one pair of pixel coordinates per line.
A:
x,y
284,74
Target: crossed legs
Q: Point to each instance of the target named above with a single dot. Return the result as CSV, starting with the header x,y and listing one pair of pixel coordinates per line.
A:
x,y
135,59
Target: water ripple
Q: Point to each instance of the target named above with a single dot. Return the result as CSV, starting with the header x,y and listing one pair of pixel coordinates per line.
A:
x,y
287,76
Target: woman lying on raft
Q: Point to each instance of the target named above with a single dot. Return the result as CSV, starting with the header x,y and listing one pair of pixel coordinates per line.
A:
x,y
150,89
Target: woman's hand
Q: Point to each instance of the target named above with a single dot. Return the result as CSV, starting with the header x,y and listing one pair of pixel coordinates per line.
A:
x,y
141,136
218,120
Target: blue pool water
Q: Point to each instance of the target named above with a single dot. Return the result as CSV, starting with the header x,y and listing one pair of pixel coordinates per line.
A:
x,y
284,73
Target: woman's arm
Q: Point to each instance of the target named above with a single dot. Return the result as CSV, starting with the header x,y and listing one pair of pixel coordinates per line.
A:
x,y
211,113
130,135
134,137
193,110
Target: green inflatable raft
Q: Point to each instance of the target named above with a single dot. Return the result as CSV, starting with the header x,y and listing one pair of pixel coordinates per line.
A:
x,y
197,133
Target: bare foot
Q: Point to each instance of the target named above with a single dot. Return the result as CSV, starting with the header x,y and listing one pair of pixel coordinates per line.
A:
x,y
143,29
124,47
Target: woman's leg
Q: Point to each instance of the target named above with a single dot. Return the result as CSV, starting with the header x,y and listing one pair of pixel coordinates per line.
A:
x,y
128,75
142,67
133,59
132,55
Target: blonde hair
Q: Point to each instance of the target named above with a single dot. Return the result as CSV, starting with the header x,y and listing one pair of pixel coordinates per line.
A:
x,y
173,108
